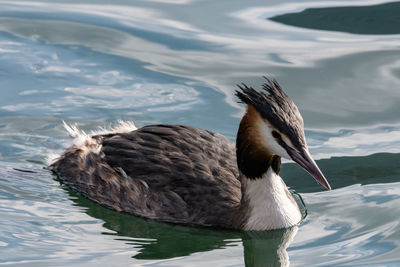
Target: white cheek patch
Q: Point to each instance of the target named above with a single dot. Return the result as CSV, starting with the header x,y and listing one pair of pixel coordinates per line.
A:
x,y
270,142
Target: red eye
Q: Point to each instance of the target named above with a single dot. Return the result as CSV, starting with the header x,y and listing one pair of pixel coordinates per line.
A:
x,y
276,135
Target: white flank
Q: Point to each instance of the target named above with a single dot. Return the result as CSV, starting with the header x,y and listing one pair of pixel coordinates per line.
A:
x,y
88,144
121,127
271,205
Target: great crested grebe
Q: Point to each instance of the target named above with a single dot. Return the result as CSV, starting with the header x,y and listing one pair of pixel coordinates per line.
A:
x,y
180,174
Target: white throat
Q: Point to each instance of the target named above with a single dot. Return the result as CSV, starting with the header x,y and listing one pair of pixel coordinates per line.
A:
x,y
270,202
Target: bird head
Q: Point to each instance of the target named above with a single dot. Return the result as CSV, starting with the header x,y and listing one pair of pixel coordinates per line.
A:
x,y
274,126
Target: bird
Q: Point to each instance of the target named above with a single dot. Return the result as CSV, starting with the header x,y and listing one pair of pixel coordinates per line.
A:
x,y
185,175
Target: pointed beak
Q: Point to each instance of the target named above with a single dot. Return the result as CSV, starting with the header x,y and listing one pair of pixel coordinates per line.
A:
x,y
304,159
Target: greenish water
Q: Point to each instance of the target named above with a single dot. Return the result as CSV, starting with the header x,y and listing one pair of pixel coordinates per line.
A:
x,y
373,19
166,61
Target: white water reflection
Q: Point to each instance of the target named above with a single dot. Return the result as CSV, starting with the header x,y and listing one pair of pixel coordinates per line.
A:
x,y
150,95
355,142
348,230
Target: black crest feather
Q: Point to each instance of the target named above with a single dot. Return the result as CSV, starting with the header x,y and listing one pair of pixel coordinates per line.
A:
x,y
274,105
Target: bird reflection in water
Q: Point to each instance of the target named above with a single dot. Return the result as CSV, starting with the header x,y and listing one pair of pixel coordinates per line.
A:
x,y
155,240
267,248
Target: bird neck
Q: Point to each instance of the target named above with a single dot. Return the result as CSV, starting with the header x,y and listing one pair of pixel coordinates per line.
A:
x,y
266,200
253,159
268,203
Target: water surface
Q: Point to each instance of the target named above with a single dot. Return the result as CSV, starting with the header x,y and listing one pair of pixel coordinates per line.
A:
x,y
94,63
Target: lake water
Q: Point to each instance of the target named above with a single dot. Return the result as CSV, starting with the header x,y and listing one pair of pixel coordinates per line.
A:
x,y
178,61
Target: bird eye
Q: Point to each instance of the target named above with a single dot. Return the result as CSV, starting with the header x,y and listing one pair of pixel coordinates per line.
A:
x,y
276,135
